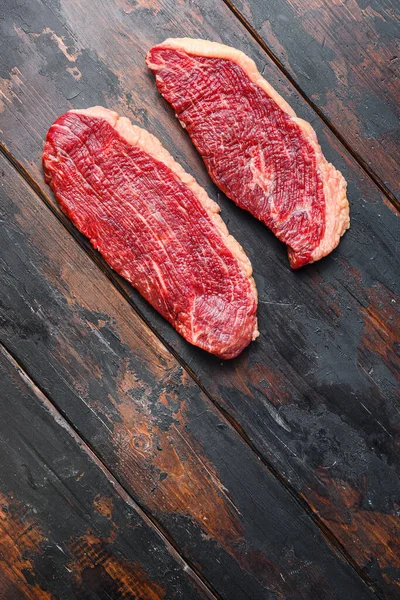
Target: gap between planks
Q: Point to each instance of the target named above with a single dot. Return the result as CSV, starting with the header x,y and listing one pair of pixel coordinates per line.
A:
x,y
355,155
63,421
328,535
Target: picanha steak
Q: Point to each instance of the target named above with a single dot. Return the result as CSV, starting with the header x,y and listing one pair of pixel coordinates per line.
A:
x,y
263,157
154,225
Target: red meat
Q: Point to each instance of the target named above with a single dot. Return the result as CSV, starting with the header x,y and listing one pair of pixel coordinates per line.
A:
x,y
256,150
154,225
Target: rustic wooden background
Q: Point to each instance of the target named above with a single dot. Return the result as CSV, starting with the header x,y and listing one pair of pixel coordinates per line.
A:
x,y
134,465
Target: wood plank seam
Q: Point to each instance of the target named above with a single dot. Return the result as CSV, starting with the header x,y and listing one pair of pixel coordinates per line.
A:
x,y
330,537
355,155
64,422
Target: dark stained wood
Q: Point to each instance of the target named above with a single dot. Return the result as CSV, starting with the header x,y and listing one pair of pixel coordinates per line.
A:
x,y
316,395
344,54
136,406
67,530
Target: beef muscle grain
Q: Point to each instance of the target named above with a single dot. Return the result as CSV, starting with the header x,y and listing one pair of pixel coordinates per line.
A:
x,y
256,150
154,225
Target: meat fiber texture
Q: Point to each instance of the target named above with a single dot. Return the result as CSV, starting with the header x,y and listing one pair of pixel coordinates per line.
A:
x,y
260,154
154,225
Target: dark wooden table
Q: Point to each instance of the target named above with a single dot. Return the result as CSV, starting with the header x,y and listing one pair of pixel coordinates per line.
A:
x,y
134,465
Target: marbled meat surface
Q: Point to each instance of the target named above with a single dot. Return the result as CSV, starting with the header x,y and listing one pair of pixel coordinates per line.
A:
x,y
154,225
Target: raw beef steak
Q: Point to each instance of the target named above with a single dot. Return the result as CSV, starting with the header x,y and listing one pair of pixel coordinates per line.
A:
x,y
154,225
256,150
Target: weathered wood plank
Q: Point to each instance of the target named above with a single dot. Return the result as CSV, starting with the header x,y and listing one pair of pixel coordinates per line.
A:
x,y
316,394
131,400
344,54
67,529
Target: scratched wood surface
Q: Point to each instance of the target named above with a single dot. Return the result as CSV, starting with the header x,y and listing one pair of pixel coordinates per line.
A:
x,y
150,423
67,530
315,397
344,55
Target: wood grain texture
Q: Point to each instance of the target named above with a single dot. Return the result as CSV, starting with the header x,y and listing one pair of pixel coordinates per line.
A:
x,y
67,530
154,428
344,55
316,394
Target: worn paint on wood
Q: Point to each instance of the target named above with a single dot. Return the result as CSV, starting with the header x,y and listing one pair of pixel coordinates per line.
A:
x,y
150,423
316,393
21,540
58,537
344,54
